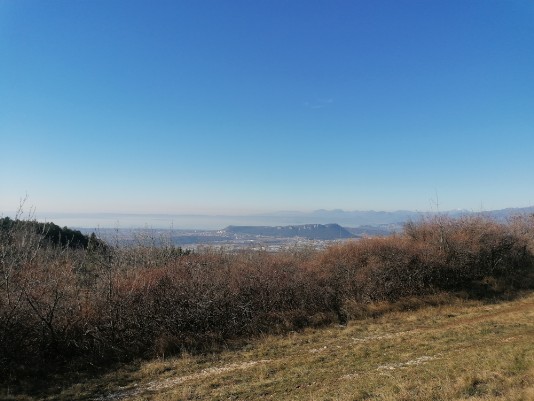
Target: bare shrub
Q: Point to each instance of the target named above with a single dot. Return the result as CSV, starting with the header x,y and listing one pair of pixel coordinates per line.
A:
x,y
471,249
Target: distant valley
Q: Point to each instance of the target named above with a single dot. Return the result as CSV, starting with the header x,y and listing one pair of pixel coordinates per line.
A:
x,y
268,231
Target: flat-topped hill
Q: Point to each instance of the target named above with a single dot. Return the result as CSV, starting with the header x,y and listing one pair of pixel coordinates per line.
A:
x,y
309,231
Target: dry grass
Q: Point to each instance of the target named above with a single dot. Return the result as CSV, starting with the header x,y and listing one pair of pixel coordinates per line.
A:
x,y
467,351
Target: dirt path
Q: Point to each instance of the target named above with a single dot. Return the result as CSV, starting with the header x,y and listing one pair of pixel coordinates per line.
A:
x,y
158,385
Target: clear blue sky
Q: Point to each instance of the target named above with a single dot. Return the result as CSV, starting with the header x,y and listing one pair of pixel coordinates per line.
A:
x,y
243,106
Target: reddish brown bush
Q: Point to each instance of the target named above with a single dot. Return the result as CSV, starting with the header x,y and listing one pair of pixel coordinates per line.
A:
x,y
472,248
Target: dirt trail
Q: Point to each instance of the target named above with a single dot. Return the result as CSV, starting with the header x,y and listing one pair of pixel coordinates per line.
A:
x,y
495,311
157,385
489,313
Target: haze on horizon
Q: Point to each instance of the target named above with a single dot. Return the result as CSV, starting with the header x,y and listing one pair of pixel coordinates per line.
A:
x,y
239,107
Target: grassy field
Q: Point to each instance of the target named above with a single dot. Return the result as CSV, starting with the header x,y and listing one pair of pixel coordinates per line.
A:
x,y
468,350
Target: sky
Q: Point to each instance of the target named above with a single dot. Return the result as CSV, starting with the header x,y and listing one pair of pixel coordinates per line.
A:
x,y
237,107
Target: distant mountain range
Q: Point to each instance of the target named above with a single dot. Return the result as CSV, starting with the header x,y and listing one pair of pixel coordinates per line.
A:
x,y
352,223
359,218
316,225
308,231
385,220
504,214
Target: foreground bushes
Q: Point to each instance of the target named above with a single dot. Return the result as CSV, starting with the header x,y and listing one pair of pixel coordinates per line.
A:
x,y
61,306
470,254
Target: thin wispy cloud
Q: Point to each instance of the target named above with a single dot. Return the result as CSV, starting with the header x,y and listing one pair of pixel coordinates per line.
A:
x,y
319,103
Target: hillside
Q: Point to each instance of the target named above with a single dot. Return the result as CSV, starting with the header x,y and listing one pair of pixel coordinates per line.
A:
x,y
150,303
469,350
49,232
308,231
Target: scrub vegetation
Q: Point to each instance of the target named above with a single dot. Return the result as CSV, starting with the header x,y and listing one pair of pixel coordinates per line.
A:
x,y
70,312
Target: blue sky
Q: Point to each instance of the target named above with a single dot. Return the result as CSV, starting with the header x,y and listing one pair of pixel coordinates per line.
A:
x,y
233,107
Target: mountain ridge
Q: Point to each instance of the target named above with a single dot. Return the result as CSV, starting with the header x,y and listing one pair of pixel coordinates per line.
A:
x,y
309,231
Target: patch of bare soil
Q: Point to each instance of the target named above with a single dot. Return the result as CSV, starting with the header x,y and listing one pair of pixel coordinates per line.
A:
x,y
158,385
